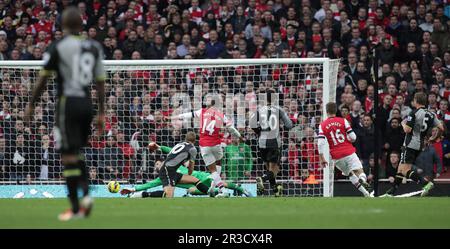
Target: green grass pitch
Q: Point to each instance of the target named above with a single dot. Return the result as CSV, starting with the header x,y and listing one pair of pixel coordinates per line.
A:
x,y
234,213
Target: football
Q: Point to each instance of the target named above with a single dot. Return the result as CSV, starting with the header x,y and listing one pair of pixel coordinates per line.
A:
x,y
113,186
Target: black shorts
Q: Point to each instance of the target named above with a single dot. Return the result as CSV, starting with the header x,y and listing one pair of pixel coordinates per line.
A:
x,y
409,155
73,124
169,176
270,155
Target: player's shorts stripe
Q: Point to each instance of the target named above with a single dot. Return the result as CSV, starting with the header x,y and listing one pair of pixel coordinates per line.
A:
x,y
100,78
349,131
45,72
321,136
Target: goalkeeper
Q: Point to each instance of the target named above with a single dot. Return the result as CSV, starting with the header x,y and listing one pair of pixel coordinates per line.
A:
x,y
204,177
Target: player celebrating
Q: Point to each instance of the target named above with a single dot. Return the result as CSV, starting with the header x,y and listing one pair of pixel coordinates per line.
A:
x,y
77,62
204,177
181,153
211,122
418,124
340,136
265,123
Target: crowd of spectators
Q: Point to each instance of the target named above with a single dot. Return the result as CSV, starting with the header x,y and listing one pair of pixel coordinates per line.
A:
x,y
411,41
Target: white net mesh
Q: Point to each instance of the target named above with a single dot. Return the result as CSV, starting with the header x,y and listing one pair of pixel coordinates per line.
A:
x,y
139,97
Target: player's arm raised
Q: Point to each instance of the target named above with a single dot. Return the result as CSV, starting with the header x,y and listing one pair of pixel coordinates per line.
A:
x,y
154,146
187,115
321,143
231,127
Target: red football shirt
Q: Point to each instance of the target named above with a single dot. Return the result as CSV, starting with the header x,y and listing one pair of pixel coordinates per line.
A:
x,y
335,130
211,122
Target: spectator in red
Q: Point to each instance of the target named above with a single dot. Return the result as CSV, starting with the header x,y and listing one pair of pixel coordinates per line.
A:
x,y
42,25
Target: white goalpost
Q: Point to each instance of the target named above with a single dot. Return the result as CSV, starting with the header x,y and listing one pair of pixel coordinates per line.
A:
x,y
142,95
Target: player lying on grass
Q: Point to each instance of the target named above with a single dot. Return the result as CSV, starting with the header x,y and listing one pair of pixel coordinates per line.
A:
x,y
204,177
418,124
340,136
180,154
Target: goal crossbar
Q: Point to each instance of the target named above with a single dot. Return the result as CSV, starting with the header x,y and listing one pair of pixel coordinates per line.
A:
x,y
197,62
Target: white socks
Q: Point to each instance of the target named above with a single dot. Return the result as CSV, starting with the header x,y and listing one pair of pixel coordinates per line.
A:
x,y
216,178
355,181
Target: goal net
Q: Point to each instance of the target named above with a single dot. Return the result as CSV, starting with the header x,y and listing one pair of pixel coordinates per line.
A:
x,y
141,96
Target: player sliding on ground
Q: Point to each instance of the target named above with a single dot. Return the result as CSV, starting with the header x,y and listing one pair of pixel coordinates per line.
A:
x,y
181,153
418,124
211,122
204,177
340,136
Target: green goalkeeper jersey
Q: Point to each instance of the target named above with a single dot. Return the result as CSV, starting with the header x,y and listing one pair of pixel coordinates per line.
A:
x,y
202,176
237,160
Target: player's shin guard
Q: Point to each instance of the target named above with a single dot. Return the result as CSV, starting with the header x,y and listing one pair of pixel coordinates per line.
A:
x,y
272,180
202,187
397,181
270,176
84,178
72,187
355,181
265,177
218,169
72,174
413,175
363,177
217,180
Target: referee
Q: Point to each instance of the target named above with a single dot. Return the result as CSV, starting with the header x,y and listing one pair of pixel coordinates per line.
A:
x,y
77,62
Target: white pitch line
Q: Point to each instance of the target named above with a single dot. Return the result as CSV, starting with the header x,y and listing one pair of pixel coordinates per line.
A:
x,y
410,194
